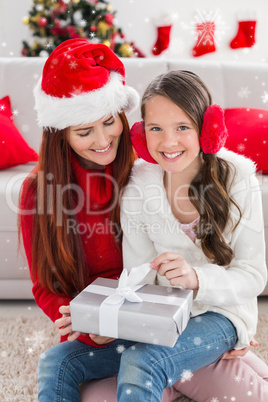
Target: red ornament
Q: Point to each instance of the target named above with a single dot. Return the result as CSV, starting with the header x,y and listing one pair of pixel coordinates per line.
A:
x,y
42,22
109,17
57,22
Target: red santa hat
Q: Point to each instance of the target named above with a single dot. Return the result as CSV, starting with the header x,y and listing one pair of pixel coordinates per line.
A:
x,y
81,83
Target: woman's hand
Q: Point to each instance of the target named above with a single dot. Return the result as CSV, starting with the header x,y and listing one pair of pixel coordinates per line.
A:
x,y
100,340
174,267
233,354
65,324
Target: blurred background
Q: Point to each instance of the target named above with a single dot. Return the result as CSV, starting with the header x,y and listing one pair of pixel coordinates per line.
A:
x,y
180,29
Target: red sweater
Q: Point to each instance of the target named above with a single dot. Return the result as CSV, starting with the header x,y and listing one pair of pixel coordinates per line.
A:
x,y
103,258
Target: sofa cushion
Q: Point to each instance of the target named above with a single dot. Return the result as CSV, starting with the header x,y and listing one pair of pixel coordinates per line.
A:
x,y
248,134
14,150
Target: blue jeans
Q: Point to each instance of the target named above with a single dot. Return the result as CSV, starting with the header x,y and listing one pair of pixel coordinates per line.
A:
x,y
144,369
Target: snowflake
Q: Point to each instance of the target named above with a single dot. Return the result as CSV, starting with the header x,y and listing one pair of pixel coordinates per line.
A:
x,y
186,375
197,340
92,35
233,398
91,354
2,107
241,147
83,23
198,319
120,348
73,64
244,92
214,400
15,112
77,90
249,393
37,340
149,384
30,350
237,378
128,391
49,45
265,97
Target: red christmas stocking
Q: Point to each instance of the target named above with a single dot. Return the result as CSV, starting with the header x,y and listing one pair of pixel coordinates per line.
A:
x,y
164,25
245,36
205,39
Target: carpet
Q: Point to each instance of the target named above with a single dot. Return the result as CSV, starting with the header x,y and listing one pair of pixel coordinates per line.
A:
x,y
22,340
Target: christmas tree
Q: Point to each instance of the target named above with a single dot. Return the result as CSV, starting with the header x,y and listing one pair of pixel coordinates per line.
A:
x,y
54,21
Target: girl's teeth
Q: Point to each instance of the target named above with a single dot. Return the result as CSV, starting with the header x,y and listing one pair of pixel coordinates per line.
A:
x,y
171,156
102,150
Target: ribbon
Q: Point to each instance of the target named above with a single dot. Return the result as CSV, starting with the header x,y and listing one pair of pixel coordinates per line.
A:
x,y
128,285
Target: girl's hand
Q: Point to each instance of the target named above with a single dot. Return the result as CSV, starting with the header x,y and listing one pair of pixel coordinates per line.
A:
x,y
100,340
174,267
233,354
65,324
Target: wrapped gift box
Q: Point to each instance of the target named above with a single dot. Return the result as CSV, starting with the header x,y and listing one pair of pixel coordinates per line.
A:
x,y
158,317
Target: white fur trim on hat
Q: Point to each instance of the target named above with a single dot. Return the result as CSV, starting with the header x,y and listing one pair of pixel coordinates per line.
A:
x,y
85,107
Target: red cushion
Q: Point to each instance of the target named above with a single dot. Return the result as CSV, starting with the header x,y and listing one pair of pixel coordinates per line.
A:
x,y
248,134
14,150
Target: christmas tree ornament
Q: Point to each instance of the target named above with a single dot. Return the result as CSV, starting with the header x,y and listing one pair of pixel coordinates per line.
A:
x,y
82,82
164,25
126,50
107,43
42,22
205,41
245,36
25,20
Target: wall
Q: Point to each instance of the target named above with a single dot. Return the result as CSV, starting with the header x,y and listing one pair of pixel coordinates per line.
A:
x,y
136,19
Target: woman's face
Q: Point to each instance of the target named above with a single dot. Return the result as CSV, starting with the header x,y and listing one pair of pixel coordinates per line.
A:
x,y
98,141
172,139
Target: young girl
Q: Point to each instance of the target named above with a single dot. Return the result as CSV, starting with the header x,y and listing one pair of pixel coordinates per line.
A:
x,y
69,205
195,213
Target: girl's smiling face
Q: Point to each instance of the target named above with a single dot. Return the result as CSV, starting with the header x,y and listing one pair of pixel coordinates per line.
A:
x,y
98,141
172,139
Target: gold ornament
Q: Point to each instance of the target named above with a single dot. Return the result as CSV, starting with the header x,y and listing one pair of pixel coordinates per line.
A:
x,y
109,8
35,45
103,28
125,50
76,1
25,20
107,43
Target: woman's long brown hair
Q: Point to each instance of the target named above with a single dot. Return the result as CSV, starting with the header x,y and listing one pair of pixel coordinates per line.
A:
x,y
58,259
209,190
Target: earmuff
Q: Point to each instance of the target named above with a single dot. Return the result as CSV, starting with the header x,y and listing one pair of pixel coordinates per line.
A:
x,y
212,138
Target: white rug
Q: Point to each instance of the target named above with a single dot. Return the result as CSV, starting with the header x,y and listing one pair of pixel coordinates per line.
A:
x,y
24,339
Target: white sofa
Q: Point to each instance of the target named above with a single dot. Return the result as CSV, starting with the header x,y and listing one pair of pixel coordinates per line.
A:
x,y
227,81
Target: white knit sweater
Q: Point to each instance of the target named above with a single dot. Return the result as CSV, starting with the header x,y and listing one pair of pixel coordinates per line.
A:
x,y
150,229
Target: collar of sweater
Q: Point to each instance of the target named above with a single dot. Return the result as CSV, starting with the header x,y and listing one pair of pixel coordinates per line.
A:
x,y
96,185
